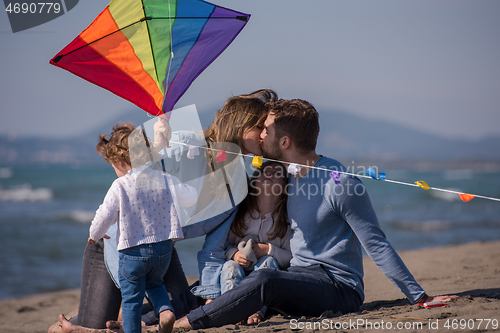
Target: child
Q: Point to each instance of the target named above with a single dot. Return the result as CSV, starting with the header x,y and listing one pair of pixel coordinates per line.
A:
x,y
262,217
143,202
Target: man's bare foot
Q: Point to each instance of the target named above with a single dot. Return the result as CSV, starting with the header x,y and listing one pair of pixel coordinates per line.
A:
x,y
254,319
183,323
167,320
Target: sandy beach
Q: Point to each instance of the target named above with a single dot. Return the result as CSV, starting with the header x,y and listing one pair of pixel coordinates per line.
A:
x,y
471,271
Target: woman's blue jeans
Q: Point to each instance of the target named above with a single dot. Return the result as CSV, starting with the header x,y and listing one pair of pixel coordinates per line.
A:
x,y
141,273
213,254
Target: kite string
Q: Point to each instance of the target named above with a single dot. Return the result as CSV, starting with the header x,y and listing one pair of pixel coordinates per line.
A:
x,y
342,172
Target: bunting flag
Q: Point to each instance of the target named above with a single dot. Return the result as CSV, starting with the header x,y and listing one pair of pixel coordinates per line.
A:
x,y
221,156
422,184
372,173
257,161
336,175
293,169
466,197
192,152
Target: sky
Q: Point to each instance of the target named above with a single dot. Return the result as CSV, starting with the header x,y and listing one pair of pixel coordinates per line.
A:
x,y
426,64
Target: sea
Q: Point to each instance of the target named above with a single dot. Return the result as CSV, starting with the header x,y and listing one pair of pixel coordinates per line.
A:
x,y
45,214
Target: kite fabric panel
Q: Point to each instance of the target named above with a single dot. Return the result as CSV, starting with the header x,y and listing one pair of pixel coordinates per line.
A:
x,y
150,51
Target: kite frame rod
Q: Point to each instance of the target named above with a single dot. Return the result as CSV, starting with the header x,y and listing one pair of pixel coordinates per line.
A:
x,y
147,18
237,17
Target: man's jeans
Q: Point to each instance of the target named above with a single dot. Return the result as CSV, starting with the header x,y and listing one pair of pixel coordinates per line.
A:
x,y
300,291
142,269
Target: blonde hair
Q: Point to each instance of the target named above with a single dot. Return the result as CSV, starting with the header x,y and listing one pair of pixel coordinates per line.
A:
x,y
123,139
115,149
238,115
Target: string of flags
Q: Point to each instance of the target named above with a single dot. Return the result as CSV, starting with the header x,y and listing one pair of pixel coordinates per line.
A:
x,y
294,169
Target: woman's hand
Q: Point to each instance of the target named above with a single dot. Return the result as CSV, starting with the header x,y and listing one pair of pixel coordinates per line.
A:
x,y
241,260
260,250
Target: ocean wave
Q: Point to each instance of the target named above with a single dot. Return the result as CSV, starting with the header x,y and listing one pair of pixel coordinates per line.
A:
x,y
446,196
80,216
431,225
6,173
26,193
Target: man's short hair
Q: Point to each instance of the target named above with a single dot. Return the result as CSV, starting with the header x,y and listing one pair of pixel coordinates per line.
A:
x,y
297,119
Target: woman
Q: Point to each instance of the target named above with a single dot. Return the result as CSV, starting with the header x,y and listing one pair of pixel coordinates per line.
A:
x,y
238,122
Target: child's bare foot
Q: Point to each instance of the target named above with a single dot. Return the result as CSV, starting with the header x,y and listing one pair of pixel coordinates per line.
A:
x,y
167,320
183,323
254,319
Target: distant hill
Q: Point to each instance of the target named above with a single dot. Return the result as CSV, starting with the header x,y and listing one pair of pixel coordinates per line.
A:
x,y
349,136
343,136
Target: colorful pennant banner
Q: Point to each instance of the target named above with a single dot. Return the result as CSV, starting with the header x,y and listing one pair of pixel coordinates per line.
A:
x,y
294,169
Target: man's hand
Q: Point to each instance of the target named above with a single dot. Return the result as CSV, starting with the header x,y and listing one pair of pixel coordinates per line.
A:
x,y
241,260
260,250
444,298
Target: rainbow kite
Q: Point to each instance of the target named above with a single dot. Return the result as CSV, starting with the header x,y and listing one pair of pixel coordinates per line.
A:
x,y
150,51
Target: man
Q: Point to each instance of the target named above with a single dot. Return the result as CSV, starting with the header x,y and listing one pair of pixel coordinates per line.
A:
x,y
331,218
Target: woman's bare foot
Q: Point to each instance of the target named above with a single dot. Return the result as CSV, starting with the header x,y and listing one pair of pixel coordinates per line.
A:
x,y
68,327
167,320
114,325
183,323
254,319
56,328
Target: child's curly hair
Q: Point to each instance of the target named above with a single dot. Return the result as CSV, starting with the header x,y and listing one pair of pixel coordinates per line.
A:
x,y
115,149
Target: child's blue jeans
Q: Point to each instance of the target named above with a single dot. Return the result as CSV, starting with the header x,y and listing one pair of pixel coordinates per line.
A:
x,y
232,273
141,273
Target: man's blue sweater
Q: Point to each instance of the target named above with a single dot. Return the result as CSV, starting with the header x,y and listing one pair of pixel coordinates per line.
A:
x,y
331,221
